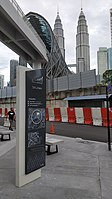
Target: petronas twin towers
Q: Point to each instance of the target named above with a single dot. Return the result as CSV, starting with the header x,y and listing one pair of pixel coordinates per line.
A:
x,y
59,34
82,45
82,42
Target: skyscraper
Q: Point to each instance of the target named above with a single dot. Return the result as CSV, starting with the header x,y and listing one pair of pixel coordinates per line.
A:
x,y
13,65
102,61
111,24
109,58
1,81
59,34
82,45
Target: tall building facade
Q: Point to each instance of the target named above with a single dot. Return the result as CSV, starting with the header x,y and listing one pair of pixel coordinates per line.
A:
x,y
109,58
82,45
102,62
13,65
111,25
1,81
59,34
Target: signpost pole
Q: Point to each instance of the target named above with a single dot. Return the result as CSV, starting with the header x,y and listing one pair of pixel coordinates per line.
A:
x,y
108,121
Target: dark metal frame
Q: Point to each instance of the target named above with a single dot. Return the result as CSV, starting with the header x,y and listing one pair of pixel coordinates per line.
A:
x,y
49,152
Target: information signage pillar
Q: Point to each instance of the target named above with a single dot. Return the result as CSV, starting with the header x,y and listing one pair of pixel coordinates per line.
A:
x,y
35,124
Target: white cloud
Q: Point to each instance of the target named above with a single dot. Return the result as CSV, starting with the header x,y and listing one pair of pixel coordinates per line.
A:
x,y
97,16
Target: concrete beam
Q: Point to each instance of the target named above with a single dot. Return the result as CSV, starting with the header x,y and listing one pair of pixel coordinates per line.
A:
x,y
17,22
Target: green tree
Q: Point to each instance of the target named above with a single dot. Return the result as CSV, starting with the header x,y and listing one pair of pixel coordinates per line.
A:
x,y
107,76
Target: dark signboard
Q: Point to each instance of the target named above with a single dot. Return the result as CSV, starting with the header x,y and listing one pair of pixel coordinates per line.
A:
x,y
35,120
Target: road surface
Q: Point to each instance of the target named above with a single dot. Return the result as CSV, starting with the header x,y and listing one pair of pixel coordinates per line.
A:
x,y
94,133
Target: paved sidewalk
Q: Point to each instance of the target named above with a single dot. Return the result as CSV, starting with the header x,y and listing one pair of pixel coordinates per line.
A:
x,y
81,170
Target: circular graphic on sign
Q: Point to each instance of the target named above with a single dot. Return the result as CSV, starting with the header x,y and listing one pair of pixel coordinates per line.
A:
x,y
36,116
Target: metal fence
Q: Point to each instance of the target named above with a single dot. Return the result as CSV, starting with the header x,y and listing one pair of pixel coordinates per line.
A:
x,y
71,82
8,92
65,83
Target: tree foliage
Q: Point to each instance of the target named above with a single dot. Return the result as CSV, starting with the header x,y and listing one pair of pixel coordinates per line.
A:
x,y
107,76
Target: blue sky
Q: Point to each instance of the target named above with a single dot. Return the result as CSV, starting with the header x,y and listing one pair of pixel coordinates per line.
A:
x,y
98,20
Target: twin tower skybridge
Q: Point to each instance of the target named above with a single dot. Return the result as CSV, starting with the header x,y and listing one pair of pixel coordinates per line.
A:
x,y
56,66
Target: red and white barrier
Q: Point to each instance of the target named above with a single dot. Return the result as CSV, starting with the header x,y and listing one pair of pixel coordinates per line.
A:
x,y
104,117
87,116
79,115
96,116
64,114
71,115
51,114
57,114
90,116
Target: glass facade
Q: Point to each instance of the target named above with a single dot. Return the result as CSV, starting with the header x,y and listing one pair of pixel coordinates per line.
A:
x,y
1,81
102,61
109,54
56,66
13,65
